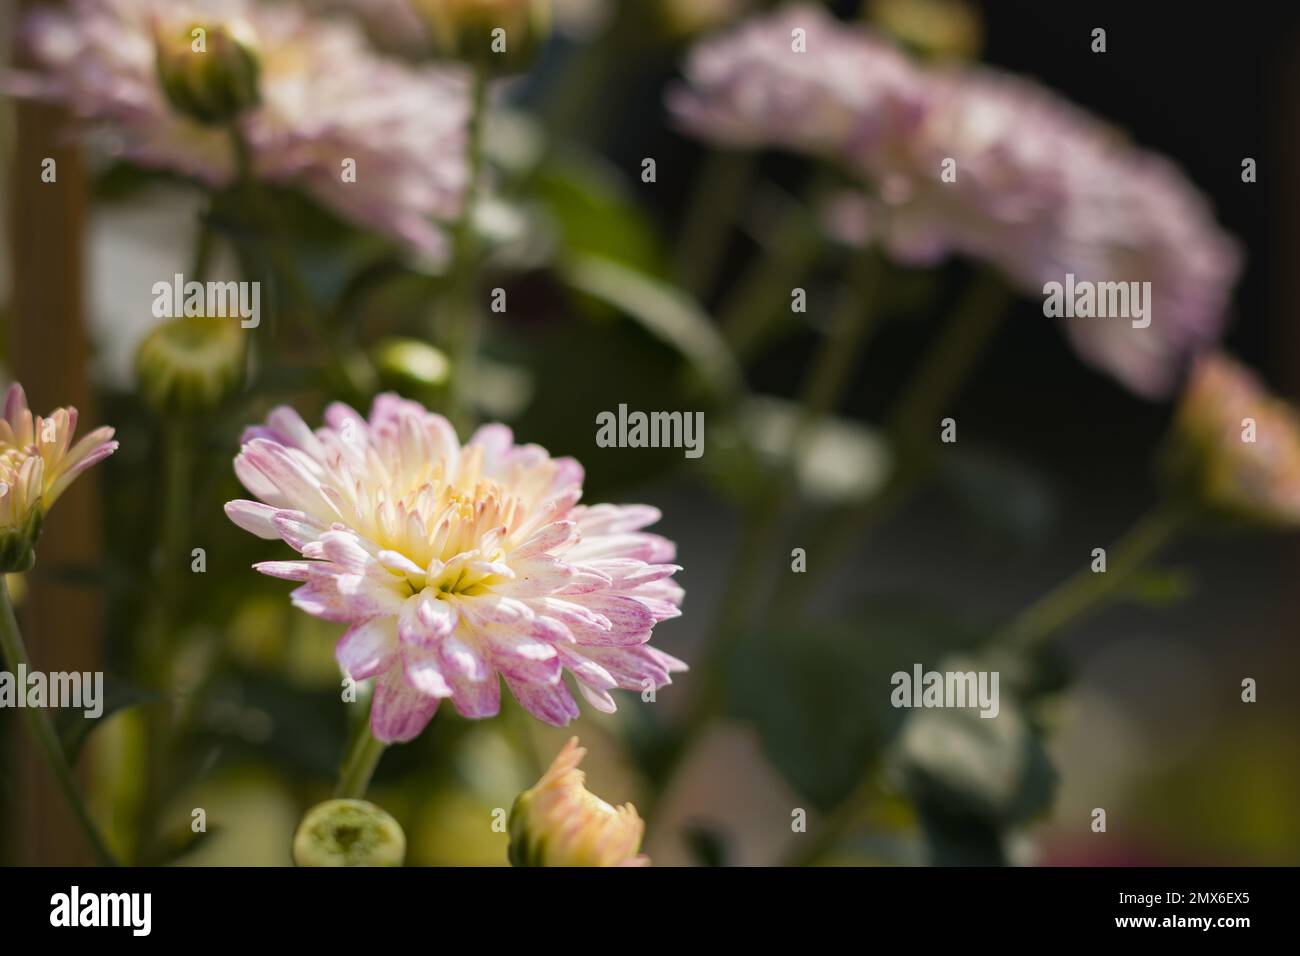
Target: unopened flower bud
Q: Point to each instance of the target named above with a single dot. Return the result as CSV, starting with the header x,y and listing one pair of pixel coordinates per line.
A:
x,y
191,364
348,833
410,365
559,823
499,35
936,29
209,73
1235,449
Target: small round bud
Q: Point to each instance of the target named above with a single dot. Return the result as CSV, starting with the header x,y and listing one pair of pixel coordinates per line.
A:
x,y
501,36
410,365
348,833
209,73
191,364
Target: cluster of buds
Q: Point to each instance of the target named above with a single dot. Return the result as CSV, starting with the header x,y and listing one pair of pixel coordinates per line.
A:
x,y
38,461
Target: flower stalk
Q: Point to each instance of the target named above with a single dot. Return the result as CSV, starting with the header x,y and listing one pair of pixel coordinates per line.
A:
x,y
464,330
43,734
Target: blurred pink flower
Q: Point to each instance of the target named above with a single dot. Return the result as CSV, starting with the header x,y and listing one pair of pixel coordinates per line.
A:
x,y
455,564
829,91
325,98
973,162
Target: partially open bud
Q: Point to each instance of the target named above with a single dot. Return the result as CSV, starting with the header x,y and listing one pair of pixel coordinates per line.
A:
x,y
38,461
499,35
1235,448
559,823
191,364
410,365
209,73
348,833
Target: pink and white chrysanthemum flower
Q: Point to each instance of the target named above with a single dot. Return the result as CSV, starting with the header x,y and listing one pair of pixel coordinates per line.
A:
x,y
326,97
38,459
455,565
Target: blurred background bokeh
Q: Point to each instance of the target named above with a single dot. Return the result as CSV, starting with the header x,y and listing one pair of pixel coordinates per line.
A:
x,y
1054,460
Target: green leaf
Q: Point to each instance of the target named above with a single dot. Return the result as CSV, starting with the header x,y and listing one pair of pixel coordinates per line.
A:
x,y
183,841
819,695
74,727
595,213
960,765
664,311
843,462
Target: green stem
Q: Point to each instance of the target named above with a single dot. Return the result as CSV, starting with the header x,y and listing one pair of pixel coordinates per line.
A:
x,y
1088,590
711,213
43,733
157,644
465,310
349,366
825,384
946,367
948,364
360,763
747,314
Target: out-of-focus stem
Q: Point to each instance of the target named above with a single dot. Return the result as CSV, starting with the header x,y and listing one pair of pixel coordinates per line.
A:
x,y
157,644
465,318
1079,595
352,370
944,370
1087,590
43,733
359,765
746,314
710,216
825,383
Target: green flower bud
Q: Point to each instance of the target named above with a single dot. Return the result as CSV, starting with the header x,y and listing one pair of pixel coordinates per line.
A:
x,y
18,544
191,364
348,833
209,73
410,365
501,36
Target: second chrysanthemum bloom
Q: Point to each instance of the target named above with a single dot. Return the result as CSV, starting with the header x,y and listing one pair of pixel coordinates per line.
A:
x,y
458,566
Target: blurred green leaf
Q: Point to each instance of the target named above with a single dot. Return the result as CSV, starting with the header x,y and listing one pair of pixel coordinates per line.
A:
x,y
181,842
74,727
843,462
819,695
961,765
664,311
595,213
